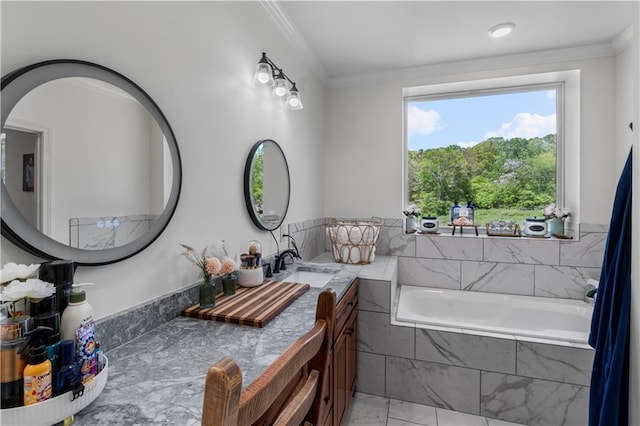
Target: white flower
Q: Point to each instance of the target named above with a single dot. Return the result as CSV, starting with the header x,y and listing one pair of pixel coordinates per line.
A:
x,y
12,271
32,288
550,210
412,210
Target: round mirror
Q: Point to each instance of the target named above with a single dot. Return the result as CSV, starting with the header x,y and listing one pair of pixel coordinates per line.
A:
x,y
266,185
90,167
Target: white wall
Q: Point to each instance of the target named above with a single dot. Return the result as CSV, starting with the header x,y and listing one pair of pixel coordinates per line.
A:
x,y
100,144
624,106
364,154
196,60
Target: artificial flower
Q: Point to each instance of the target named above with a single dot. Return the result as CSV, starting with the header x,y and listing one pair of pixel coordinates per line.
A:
x,y
228,266
412,210
12,271
212,266
553,212
32,288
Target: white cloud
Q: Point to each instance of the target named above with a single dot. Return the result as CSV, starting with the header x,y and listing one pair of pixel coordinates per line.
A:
x,y
525,125
423,122
466,144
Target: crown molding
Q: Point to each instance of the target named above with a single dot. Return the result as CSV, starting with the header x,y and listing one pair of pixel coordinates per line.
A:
x,y
291,33
623,41
480,64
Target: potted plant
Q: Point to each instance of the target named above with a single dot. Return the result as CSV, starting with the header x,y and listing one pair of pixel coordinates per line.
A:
x,y
411,213
556,217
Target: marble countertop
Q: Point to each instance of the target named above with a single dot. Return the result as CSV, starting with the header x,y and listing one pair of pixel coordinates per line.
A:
x,y
159,377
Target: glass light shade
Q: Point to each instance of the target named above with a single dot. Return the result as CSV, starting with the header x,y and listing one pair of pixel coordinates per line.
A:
x,y
263,74
280,88
293,101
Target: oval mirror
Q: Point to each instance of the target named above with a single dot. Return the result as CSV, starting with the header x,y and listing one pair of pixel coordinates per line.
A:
x,y
90,167
267,185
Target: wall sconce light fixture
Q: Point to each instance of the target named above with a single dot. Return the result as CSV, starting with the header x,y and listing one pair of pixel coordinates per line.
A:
x,y
270,74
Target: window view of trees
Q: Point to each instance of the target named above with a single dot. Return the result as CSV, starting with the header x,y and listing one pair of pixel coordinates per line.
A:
x,y
503,178
494,148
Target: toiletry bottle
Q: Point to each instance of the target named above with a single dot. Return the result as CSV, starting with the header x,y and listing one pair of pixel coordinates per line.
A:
x,y
455,211
12,365
100,357
77,324
52,350
68,375
470,211
37,374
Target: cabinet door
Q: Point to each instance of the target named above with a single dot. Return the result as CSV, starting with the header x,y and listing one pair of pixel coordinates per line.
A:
x,y
351,332
341,392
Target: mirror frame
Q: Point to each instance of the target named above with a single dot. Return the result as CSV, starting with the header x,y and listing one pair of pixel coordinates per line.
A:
x,y
15,227
247,186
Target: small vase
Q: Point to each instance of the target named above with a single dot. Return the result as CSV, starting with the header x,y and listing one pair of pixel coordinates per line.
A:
x,y
409,224
229,282
556,226
207,292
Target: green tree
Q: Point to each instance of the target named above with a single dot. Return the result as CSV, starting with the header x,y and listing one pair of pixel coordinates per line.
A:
x,y
444,178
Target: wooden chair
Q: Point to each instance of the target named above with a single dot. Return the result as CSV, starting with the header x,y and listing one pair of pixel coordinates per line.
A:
x,y
286,393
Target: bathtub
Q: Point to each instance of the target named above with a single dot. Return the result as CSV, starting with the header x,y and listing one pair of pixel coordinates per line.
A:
x,y
565,320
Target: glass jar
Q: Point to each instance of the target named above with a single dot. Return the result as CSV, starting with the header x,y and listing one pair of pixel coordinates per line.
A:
x,y
207,292
229,282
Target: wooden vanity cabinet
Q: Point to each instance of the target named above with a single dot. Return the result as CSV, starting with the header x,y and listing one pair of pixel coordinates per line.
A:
x,y
345,353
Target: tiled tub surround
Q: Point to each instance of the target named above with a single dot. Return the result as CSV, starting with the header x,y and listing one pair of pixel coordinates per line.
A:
x,y
525,380
525,266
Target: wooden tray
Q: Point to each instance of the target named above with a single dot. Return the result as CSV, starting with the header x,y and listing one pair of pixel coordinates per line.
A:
x,y
253,306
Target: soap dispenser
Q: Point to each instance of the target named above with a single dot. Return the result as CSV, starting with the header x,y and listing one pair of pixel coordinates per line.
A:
x,y
77,325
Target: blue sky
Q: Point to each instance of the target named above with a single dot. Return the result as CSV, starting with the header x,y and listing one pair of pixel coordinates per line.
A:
x,y
468,121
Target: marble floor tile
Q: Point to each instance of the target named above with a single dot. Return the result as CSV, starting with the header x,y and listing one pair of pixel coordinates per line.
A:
x,y
496,422
413,413
454,418
395,422
367,410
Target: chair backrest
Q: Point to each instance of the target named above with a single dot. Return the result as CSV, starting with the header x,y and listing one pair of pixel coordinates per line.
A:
x,y
285,394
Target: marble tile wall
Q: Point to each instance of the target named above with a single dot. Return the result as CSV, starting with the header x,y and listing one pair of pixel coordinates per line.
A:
x,y
310,236
526,266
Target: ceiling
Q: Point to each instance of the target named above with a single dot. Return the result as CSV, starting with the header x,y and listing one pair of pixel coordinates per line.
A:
x,y
351,38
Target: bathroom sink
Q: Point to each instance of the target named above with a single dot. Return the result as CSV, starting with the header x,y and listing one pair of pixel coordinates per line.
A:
x,y
313,278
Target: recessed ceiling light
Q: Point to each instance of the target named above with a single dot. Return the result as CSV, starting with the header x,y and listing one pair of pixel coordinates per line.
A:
x,y
501,30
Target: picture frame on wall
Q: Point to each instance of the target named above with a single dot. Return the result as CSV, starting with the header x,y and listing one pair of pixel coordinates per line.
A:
x,y
28,172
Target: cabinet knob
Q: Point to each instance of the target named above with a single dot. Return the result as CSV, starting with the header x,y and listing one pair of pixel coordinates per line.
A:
x,y
349,331
326,399
350,303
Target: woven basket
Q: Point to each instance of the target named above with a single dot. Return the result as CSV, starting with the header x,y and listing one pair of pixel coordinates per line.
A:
x,y
354,240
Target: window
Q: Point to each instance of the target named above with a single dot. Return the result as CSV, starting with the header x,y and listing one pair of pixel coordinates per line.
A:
x,y
491,143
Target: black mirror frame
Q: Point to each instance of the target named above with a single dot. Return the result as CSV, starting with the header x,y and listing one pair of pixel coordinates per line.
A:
x,y
247,186
24,235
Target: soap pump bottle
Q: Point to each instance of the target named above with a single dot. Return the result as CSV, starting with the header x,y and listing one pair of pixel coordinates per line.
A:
x,y
38,372
77,325
77,313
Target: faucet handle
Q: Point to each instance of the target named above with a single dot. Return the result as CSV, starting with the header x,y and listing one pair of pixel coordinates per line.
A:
x,y
269,273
